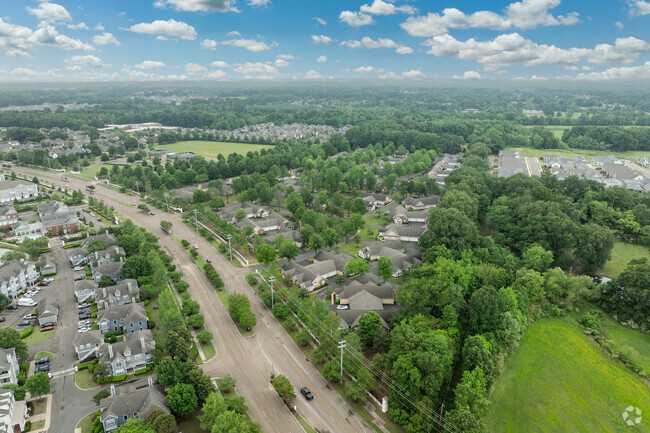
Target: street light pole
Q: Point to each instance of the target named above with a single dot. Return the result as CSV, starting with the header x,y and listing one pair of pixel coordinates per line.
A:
x,y
196,221
272,280
230,245
167,201
342,344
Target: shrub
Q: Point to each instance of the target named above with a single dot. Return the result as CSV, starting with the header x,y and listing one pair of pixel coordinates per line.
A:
x,y
196,321
281,311
181,286
28,426
27,332
141,371
185,243
19,391
100,395
204,336
251,279
303,337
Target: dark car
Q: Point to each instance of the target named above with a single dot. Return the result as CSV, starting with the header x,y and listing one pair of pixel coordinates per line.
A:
x,y
82,312
42,361
44,367
307,393
43,283
85,316
12,307
24,323
80,277
2,319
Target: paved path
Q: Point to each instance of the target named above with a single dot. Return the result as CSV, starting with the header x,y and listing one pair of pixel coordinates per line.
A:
x,y
252,360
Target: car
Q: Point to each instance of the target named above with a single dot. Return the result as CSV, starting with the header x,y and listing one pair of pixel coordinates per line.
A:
x,y
28,294
99,219
42,361
47,328
43,283
12,307
2,318
84,305
151,213
342,307
49,280
92,192
29,316
83,311
84,323
78,268
307,393
208,261
195,246
80,277
82,330
25,323
85,316
45,368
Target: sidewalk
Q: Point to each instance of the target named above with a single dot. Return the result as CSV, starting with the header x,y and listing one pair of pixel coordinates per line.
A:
x,y
44,416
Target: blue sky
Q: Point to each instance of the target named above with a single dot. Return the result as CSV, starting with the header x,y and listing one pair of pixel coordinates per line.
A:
x,y
122,40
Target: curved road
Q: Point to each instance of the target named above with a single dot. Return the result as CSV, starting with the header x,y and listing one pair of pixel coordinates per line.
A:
x,y
251,360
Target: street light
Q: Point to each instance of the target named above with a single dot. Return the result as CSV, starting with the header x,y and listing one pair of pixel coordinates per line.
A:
x,y
272,280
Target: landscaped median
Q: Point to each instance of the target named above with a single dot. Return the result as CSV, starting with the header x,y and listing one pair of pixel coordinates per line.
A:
x,y
86,423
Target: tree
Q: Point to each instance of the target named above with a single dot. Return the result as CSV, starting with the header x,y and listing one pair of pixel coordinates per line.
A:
x,y
196,321
181,399
284,388
385,267
537,258
247,319
303,338
171,372
477,354
166,226
135,425
204,336
593,246
10,337
172,320
144,208
356,266
230,421
179,344
226,384
288,250
190,307
627,295
136,267
369,325
265,254
96,246
240,214
39,384
199,196
451,228
202,384
332,371
213,407
165,423
104,393
106,281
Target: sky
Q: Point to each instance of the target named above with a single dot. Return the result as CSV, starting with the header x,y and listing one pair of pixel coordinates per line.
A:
x,y
132,40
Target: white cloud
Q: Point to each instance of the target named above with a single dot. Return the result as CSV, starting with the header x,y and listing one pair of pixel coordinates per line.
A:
x,y
249,44
320,21
261,70
368,70
468,75
321,59
281,63
29,73
513,49
313,75
413,73
150,64
15,52
638,7
50,12
389,76
527,14
84,61
208,44
234,33
161,38
259,3
99,27
217,75
370,43
379,7
641,72
321,39
619,25
195,69
220,64
80,26
285,56
355,19
17,40
106,39
199,5
171,28
404,50
48,35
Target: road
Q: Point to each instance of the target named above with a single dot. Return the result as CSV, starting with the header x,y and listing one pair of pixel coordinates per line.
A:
x,y
251,360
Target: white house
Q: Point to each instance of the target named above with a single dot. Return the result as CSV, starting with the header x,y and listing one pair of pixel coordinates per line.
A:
x,y
20,190
9,367
399,232
16,275
87,344
13,414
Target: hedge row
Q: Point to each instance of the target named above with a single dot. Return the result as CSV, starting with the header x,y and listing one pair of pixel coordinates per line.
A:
x,y
212,275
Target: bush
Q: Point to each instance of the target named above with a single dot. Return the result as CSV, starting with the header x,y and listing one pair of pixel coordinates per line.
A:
x,y
251,279
281,311
303,338
196,321
141,371
185,243
19,391
204,336
223,248
181,286
88,365
28,426
26,332
100,395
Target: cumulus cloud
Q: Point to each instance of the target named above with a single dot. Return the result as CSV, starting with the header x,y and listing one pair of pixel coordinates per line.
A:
x,y
80,26
199,5
321,39
259,3
258,69
527,14
379,7
367,70
286,56
106,39
468,75
47,34
641,72
638,7
84,61
15,52
17,40
195,69
148,65
370,43
320,21
281,63
321,59
234,33
619,25
313,75
514,49
404,50
220,64
25,73
50,12
389,76
171,28
249,44
413,73
99,27
355,19
208,44
217,75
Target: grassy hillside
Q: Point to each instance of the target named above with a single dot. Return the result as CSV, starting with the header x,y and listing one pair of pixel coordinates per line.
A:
x,y
623,336
211,149
557,381
622,253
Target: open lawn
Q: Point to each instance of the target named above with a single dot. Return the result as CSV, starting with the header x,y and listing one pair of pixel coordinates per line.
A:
x,y
86,422
212,149
351,248
39,406
538,153
36,426
208,350
557,130
190,423
84,379
557,381
38,336
624,336
374,220
369,233
40,355
622,253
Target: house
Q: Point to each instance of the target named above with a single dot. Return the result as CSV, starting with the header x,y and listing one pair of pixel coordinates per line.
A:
x,y
379,199
122,293
9,367
292,235
56,218
339,258
15,276
127,356
107,238
127,318
309,276
77,256
252,211
362,299
113,270
19,190
371,251
84,290
13,414
606,159
420,203
108,255
22,229
622,172
400,215
137,402
399,232
644,161
401,261
49,314
274,222
87,344
48,267
184,156
8,216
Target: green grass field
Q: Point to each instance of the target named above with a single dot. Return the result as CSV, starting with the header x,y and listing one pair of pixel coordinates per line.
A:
x,y
38,336
86,422
84,379
211,149
537,153
624,336
622,253
40,355
557,381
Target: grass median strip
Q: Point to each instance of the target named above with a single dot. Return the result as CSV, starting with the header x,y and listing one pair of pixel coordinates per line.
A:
x,y
37,336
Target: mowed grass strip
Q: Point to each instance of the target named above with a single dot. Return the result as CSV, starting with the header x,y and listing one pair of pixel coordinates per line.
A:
x,y
211,149
557,381
624,336
538,153
622,254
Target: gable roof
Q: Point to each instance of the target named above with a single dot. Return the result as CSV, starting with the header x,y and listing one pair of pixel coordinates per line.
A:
x,y
129,313
141,401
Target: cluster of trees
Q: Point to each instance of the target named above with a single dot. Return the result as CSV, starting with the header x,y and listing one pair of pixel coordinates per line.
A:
x,y
626,297
156,422
239,308
608,138
213,276
226,415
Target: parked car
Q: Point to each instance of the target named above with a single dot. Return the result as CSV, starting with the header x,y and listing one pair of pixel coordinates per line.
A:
x,y
83,323
43,283
208,261
47,328
83,311
29,316
78,268
307,393
49,279
24,323
2,318
151,213
85,316
84,305
12,307
82,330
42,361
342,307
80,277
44,367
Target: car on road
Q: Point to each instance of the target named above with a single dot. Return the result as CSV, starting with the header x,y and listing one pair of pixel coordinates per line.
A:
x,y
43,283
195,246
80,277
29,316
42,361
25,323
307,393
2,318
48,280
151,213
47,328
45,368
78,268
12,307
208,261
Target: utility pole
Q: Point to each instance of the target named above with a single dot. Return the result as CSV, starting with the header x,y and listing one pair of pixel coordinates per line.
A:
x,y
440,423
272,280
342,344
48,164
167,201
196,221
230,246
137,187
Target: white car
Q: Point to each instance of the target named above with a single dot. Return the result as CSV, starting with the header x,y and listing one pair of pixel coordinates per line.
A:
x,y
82,330
342,307
195,246
48,280
78,268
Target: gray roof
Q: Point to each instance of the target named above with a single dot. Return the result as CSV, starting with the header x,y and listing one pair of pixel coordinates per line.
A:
x,y
109,268
76,252
132,343
339,258
384,291
10,269
105,237
84,285
365,301
90,337
7,210
10,184
408,231
4,365
129,313
141,401
426,201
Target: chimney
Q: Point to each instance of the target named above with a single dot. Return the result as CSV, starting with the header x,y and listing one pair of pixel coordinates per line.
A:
x,y
133,299
142,342
113,389
96,255
129,286
117,250
110,351
104,292
149,381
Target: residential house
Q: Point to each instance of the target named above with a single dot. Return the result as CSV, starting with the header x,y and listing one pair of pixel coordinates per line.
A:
x,y
15,276
401,261
400,215
404,233
252,211
48,267
371,251
84,290
87,344
287,234
606,159
644,161
363,298
13,414
622,172
107,238
49,314
309,276
125,357
19,190
420,203
8,216
9,367
339,258
370,202
137,402
22,229
78,256
379,199
274,222
122,293
113,270
127,318
108,255
56,218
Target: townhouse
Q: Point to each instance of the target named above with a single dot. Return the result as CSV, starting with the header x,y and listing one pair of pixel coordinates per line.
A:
x,y
16,276
127,318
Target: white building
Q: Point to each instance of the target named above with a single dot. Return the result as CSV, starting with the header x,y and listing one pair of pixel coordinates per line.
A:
x,y
13,414
9,367
11,190
16,275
